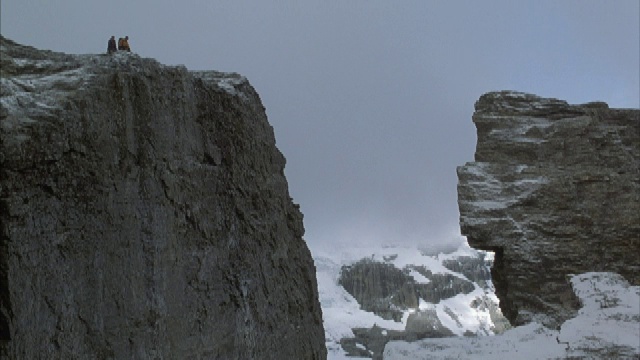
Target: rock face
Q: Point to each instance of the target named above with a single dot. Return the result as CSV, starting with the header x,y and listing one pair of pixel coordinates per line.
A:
x,y
388,291
380,288
145,214
554,191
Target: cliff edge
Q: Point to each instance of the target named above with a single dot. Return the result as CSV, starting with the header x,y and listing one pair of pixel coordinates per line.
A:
x,y
554,190
144,213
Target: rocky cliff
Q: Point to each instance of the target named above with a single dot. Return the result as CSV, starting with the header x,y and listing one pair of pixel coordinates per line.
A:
x,y
145,214
554,191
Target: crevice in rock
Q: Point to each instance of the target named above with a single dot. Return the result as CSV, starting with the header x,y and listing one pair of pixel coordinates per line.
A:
x,y
499,282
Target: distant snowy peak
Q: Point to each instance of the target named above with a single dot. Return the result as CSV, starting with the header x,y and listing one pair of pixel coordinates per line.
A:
x,y
388,291
372,295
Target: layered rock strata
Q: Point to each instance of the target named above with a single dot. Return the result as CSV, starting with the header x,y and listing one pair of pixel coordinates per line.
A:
x,y
145,214
554,190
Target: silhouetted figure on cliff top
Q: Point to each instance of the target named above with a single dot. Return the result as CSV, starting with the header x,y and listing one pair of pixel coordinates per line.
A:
x,y
111,45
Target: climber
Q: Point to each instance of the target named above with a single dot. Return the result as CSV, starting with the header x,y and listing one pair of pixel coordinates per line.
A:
x,y
123,44
111,45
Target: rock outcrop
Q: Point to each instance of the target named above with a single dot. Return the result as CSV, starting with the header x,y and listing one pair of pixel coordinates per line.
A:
x,y
554,191
145,214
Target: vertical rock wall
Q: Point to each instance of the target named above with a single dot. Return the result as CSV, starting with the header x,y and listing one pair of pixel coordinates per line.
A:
x,y
145,214
554,191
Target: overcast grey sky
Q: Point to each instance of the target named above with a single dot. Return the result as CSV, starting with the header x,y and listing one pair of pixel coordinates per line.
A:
x,y
371,101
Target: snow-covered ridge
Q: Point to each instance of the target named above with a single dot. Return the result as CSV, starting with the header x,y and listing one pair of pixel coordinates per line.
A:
x,y
606,327
462,314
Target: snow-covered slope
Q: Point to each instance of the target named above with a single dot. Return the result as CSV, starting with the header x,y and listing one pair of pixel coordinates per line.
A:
x,y
606,327
466,314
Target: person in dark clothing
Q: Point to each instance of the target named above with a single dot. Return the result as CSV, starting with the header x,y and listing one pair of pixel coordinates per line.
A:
x,y
111,45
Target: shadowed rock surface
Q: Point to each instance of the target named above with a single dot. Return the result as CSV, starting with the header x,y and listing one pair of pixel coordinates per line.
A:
x,y
380,288
144,214
554,191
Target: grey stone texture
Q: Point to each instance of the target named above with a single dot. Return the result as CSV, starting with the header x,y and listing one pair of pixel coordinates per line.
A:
x,y
554,190
144,214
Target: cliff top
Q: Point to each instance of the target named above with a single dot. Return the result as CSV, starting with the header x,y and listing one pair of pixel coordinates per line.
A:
x,y
26,72
514,102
